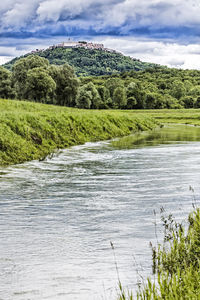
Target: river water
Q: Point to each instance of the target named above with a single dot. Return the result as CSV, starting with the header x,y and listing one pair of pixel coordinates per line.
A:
x,y
58,216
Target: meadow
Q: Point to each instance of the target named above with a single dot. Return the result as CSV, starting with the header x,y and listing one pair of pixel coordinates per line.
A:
x,y
178,116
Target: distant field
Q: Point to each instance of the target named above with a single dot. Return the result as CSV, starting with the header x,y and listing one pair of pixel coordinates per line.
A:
x,y
32,131
182,116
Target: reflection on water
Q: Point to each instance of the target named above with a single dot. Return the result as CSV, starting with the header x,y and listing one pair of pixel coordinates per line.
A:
x,y
166,135
57,217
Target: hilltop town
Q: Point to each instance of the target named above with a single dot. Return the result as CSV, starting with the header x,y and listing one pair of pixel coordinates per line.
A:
x,y
87,58
80,44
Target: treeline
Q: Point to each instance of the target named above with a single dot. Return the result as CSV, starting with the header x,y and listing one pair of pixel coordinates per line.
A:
x,y
33,78
155,88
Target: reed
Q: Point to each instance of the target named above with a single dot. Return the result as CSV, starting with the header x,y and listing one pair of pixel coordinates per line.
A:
x,y
176,264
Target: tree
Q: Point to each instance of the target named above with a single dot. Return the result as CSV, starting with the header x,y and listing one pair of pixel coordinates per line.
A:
x,y
105,97
112,83
96,100
119,97
162,84
178,89
172,102
6,89
134,90
39,85
155,101
188,85
131,102
84,98
197,103
20,70
188,101
67,84
195,91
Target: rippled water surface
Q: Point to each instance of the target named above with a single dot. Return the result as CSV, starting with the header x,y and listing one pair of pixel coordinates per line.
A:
x,y
57,217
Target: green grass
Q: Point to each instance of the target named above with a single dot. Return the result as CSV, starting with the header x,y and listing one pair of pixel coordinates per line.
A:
x,y
176,264
181,116
32,131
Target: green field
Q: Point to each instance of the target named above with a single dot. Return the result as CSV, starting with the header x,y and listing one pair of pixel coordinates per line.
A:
x,y
32,131
180,116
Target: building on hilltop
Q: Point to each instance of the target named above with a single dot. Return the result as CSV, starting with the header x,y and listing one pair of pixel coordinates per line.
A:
x,y
81,44
92,46
68,45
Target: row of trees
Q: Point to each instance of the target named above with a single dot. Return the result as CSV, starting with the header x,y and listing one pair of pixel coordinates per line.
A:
x,y
155,88
133,94
33,78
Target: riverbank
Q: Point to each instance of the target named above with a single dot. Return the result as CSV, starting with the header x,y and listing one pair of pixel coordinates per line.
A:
x,y
31,131
176,267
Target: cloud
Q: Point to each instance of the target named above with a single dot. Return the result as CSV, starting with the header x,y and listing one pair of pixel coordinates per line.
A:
x,y
170,54
122,17
63,10
18,14
161,31
9,51
176,62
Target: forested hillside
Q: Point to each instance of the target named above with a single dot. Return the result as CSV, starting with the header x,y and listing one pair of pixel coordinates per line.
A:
x,y
34,78
89,62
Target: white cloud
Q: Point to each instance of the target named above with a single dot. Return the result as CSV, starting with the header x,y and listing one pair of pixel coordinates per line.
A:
x,y
8,51
154,13
4,59
18,13
104,12
51,11
164,53
176,62
37,15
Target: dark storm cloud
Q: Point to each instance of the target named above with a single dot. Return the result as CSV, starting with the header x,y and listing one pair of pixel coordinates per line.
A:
x,y
33,23
170,19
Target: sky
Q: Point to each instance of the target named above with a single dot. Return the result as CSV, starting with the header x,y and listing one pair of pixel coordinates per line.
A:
x,y
165,32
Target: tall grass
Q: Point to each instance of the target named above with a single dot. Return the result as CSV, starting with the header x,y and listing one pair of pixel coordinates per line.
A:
x,y
32,131
176,264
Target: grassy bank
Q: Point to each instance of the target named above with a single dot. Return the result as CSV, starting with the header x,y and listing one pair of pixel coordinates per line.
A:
x,y
32,131
176,264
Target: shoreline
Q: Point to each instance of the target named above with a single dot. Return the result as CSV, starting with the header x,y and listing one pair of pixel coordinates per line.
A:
x,y
32,131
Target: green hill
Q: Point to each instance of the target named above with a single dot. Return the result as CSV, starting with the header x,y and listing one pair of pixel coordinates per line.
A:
x,y
89,62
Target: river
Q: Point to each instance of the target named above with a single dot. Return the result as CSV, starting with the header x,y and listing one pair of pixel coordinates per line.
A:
x,y
58,216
